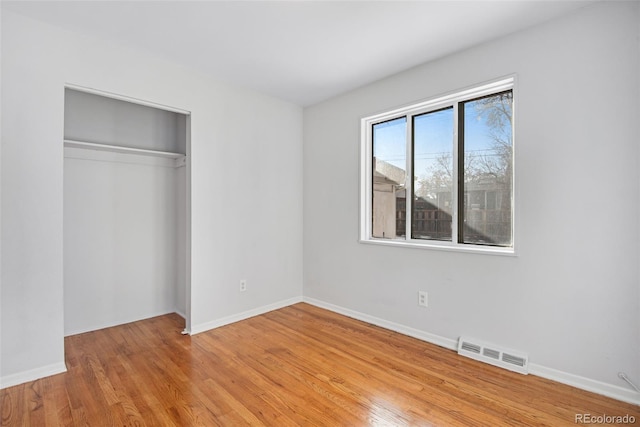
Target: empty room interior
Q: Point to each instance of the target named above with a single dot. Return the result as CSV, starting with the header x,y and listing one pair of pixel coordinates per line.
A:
x,y
336,213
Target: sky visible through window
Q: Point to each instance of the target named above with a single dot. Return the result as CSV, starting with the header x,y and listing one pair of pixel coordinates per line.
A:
x,y
435,131
389,142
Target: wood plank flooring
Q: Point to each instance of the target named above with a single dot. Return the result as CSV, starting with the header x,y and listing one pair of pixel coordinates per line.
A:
x,y
297,366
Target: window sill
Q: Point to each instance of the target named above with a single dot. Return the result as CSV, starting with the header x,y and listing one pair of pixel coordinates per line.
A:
x,y
444,246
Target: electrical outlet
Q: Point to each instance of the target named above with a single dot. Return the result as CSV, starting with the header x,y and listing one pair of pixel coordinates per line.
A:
x,y
423,299
243,285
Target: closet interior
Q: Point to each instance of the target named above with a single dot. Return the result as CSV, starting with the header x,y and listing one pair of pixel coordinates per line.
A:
x,y
126,213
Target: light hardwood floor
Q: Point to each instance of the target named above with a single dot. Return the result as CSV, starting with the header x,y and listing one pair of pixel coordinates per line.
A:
x,y
297,366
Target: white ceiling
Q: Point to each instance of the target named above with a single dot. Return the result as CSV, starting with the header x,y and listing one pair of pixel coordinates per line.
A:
x,y
300,51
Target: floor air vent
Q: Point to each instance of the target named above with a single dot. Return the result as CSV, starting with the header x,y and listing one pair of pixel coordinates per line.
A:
x,y
495,355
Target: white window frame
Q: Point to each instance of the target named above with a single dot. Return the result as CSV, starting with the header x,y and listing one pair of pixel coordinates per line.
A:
x,y
366,173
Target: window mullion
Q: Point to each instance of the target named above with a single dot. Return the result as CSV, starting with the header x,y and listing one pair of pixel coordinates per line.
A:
x,y
455,211
409,180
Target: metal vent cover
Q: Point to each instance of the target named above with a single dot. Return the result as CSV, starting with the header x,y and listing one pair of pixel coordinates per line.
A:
x,y
492,354
489,352
471,347
515,360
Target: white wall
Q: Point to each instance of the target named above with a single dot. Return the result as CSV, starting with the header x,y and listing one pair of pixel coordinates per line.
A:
x,y
121,231
571,297
246,169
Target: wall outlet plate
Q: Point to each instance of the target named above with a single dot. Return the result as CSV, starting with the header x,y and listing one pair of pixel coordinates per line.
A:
x,y
423,299
243,285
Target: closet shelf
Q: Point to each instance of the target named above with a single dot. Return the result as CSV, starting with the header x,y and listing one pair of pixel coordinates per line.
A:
x,y
124,150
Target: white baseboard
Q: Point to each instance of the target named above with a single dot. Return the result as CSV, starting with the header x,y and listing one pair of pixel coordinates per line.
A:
x,y
45,371
202,327
404,330
595,386
32,375
609,390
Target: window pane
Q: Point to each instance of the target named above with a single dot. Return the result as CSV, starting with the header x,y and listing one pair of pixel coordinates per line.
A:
x,y
389,179
432,175
488,170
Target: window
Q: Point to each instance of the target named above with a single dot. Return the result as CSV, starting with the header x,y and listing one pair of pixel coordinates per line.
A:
x,y
440,173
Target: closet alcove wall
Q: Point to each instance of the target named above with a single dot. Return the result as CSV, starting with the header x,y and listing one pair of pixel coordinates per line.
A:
x,y
125,211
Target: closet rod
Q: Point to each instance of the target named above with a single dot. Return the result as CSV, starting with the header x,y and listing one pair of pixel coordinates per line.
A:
x,y
118,149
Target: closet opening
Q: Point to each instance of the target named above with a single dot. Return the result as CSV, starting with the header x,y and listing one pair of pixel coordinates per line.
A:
x,y
126,210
